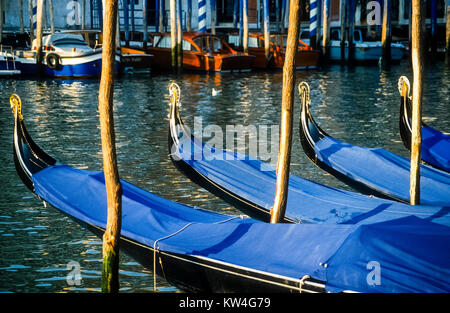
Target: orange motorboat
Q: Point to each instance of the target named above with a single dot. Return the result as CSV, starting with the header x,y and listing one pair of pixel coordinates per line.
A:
x,y
306,57
201,52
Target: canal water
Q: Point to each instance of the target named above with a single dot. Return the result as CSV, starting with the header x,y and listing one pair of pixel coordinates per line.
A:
x,y
40,247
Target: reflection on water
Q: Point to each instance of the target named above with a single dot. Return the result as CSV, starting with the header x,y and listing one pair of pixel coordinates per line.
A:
x,y
358,105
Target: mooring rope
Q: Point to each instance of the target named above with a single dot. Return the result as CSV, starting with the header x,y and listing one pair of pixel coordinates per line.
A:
x,y
175,233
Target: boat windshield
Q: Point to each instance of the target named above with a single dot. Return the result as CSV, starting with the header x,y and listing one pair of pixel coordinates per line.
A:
x,y
209,44
69,42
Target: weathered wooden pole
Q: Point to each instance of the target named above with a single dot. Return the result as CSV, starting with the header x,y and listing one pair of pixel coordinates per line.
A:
x,y
447,35
326,29
1,21
241,23
126,22
111,236
245,22
266,29
351,30
213,16
83,14
39,55
283,15
133,28
30,19
144,24
287,111
189,16
418,17
235,13
386,34
179,38
410,31
52,17
277,15
173,33
161,15
433,18
343,11
22,28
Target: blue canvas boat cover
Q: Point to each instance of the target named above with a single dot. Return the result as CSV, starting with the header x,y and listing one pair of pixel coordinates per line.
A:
x,y
435,148
404,255
384,171
308,201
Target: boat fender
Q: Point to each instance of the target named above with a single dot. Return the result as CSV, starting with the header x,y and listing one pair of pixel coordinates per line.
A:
x,y
53,60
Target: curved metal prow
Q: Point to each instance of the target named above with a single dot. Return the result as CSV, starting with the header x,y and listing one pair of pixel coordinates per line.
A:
x,y
28,157
310,132
405,111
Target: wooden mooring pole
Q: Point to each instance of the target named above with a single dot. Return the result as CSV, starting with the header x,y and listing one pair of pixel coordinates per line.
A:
x,y
111,236
188,16
245,28
52,18
266,29
179,38
1,21
173,32
418,17
447,35
386,34
39,54
325,29
22,28
145,23
213,16
30,19
343,11
287,111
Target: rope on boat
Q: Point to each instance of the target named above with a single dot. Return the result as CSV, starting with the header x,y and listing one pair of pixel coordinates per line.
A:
x,y
177,232
302,282
16,105
154,250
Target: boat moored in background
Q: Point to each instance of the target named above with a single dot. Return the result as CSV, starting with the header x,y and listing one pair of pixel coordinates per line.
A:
x,y
201,52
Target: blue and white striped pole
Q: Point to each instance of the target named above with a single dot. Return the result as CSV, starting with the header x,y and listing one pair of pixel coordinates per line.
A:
x,y
34,16
202,16
313,22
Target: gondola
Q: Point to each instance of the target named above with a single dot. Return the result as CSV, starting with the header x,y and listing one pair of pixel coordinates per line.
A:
x,y
435,149
249,185
369,170
197,250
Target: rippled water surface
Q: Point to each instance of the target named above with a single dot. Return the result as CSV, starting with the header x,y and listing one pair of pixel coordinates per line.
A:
x,y
37,243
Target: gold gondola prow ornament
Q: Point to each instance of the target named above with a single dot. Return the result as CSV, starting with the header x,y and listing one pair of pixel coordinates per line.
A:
x,y
16,105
